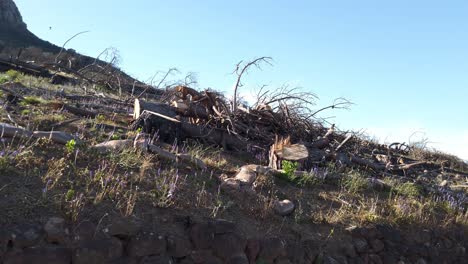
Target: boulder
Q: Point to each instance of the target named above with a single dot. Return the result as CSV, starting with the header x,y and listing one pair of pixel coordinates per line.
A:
x,y
284,207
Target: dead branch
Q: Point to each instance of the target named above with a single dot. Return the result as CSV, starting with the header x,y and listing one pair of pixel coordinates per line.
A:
x,y
68,40
241,70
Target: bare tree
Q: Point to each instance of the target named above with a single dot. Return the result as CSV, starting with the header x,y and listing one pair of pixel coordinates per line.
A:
x,y
241,69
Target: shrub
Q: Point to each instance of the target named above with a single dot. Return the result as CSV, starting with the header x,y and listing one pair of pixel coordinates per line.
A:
x,y
289,168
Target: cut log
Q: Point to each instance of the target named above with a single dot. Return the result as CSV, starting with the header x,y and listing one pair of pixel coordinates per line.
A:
x,y
9,131
74,110
160,108
191,109
176,157
56,136
293,152
363,162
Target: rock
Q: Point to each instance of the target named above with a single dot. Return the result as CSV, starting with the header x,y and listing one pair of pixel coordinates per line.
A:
x,y
146,244
157,260
26,235
230,184
311,248
113,145
423,237
389,233
238,259
98,251
84,231
378,184
283,260
330,260
284,207
178,247
49,255
443,183
56,231
375,259
202,235
228,245
348,250
389,258
377,245
360,244
122,227
204,257
421,261
252,250
295,252
246,176
271,248
124,260
222,226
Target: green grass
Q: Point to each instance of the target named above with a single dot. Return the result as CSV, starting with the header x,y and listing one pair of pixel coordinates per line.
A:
x,y
408,189
355,182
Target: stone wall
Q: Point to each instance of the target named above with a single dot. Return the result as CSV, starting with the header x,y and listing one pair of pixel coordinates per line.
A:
x,y
216,241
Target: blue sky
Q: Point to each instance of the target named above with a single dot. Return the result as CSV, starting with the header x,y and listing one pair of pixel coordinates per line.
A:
x,y
403,63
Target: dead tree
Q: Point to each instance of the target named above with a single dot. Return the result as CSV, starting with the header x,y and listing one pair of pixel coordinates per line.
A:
x,y
242,69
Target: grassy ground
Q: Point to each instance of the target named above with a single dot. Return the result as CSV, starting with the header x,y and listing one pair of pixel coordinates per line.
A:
x,y
40,179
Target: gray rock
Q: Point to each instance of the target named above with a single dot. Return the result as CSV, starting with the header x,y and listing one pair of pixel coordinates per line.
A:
x,y
228,245
122,227
157,260
26,235
246,176
56,231
377,245
230,184
146,244
271,248
98,251
360,244
49,255
284,207
178,247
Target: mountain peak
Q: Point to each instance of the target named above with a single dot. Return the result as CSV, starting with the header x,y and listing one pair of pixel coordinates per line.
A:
x,y
10,15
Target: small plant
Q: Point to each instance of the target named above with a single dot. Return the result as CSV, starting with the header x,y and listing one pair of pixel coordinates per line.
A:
x,y
355,183
69,195
70,146
289,168
32,100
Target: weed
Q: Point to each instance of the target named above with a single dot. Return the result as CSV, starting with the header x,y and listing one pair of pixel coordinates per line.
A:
x,y
354,182
70,145
289,168
69,195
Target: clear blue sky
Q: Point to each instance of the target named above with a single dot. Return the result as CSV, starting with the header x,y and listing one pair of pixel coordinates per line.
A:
x,y
404,63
